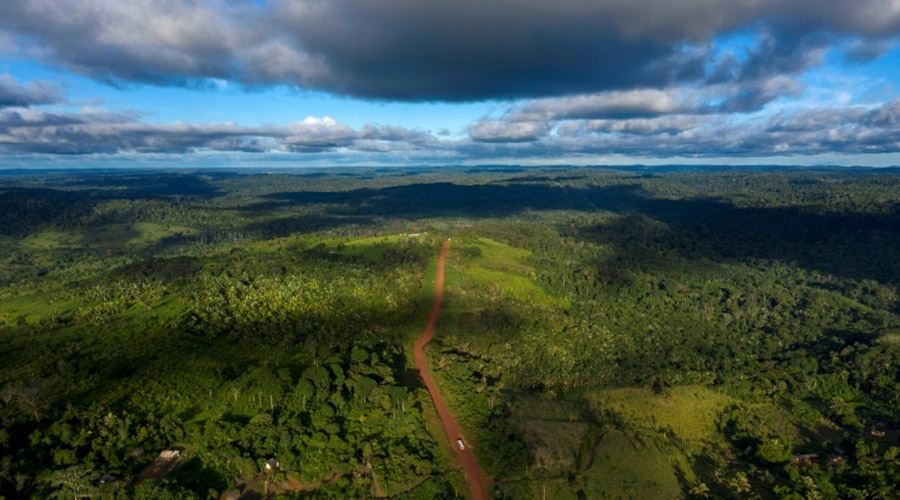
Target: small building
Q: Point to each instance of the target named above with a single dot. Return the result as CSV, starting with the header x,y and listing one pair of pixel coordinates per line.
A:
x,y
805,460
272,464
170,454
836,460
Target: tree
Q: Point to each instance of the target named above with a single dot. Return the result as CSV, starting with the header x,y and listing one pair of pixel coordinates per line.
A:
x,y
31,397
700,491
5,470
76,482
364,386
739,483
773,452
163,489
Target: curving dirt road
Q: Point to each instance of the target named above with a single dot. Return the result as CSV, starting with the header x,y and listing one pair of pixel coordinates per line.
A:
x,y
475,477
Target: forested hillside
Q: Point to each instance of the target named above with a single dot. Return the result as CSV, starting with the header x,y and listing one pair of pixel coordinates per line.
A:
x,y
642,333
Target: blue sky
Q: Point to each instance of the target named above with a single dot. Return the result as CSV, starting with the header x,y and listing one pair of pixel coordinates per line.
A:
x,y
225,101
209,82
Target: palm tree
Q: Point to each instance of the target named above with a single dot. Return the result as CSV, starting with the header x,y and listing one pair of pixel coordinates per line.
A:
x,y
739,483
700,491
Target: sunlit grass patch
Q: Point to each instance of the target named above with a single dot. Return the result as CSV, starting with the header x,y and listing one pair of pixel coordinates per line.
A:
x,y
368,248
31,307
625,466
112,236
691,412
149,233
49,240
491,263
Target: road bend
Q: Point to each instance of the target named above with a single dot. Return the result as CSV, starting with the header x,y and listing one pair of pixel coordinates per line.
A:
x,y
475,476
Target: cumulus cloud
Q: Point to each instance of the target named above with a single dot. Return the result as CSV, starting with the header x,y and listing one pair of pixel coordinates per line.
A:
x,y
318,134
842,130
98,131
643,126
508,131
91,130
721,98
395,133
441,49
849,130
13,93
616,104
886,115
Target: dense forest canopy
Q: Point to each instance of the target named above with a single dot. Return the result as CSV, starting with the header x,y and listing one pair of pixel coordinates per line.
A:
x,y
607,333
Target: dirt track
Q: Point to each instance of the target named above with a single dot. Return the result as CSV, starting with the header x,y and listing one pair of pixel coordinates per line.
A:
x,y
475,477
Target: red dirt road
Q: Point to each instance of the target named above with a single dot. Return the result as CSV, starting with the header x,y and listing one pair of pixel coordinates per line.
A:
x,y
475,477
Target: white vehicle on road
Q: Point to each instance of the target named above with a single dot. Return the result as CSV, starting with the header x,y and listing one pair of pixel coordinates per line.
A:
x,y
459,442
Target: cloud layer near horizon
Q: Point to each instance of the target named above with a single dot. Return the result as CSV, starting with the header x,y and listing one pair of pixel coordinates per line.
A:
x,y
651,125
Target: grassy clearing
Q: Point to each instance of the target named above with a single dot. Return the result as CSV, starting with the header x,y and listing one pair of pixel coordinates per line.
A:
x,y
553,431
370,248
491,263
690,412
49,240
625,466
31,307
149,233
134,236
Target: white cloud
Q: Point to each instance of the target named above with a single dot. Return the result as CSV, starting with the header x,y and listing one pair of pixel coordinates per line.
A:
x,y
508,131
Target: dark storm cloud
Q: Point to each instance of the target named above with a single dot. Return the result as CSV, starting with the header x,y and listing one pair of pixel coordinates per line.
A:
x,y
441,49
155,41
13,93
464,50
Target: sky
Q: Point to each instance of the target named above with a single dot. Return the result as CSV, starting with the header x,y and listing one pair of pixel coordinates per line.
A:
x,y
280,83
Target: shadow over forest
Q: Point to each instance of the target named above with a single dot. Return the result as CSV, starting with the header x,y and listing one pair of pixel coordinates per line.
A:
x,y
847,244
137,185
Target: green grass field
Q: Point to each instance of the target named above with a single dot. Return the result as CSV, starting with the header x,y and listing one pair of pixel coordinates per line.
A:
x,y
690,412
111,236
493,264
626,466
